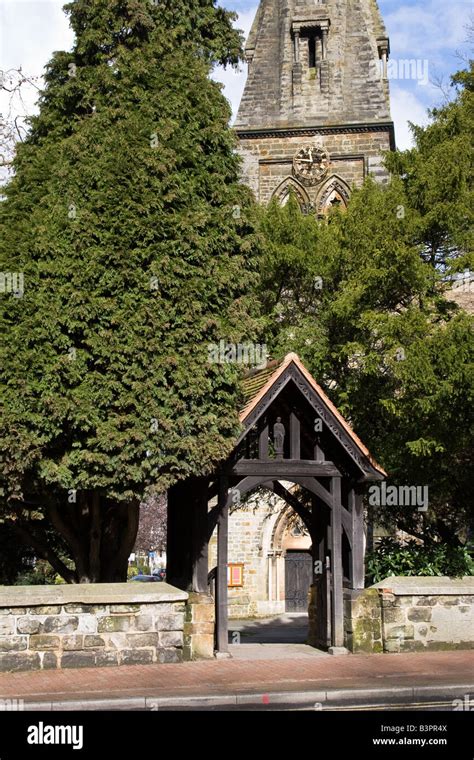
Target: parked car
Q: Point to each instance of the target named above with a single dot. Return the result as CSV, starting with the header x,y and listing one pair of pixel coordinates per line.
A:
x,y
145,578
160,573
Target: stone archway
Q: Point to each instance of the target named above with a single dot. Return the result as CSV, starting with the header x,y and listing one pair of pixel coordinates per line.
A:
x,y
271,549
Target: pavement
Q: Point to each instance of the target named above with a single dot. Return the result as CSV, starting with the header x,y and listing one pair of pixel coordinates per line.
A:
x,y
322,682
274,638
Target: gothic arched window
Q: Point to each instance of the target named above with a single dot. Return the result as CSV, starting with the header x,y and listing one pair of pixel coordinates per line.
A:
x,y
290,184
335,193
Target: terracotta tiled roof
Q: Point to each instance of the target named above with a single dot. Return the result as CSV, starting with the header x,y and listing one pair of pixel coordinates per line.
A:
x,y
256,384
256,379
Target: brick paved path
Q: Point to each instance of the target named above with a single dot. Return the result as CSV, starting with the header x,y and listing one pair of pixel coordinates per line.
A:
x,y
240,676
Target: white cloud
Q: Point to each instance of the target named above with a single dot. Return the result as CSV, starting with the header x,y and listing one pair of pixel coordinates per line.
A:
x,y
425,30
234,81
245,19
31,31
406,107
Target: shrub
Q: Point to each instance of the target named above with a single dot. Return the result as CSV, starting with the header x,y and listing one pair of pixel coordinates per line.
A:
x,y
136,569
391,557
42,574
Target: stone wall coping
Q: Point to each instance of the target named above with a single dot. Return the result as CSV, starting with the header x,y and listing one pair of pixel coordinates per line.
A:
x,y
427,585
90,593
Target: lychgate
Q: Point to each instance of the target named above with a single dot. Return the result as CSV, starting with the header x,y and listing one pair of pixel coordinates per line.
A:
x,y
295,443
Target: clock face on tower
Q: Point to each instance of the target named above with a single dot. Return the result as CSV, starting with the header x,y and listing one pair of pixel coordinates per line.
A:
x,y
311,164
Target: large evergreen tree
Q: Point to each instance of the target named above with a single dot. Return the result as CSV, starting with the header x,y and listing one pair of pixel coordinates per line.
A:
x,y
130,227
357,299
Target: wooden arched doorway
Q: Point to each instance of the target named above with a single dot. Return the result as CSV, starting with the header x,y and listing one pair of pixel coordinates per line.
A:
x,y
292,549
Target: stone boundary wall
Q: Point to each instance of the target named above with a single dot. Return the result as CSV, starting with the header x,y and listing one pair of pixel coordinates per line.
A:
x,y
65,626
199,627
410,614
363,621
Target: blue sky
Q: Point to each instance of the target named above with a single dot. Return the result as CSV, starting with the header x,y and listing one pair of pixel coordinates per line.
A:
x,y
430,31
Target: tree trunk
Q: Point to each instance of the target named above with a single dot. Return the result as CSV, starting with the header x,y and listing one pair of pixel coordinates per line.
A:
x,y
119,535
40,545
100,535
95,537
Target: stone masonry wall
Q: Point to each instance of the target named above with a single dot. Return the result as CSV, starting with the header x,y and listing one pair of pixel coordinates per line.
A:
x,y
250,540
268,161
245,545
339,101
412,615
363,621
45,627
199,627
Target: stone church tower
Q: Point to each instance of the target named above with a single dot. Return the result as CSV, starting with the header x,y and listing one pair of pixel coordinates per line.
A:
x,y
315,112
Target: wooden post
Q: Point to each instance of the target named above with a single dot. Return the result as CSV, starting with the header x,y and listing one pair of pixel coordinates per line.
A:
x,y
263,443
336,560
222,636
357,553
322,625
318,454
318,534
295,444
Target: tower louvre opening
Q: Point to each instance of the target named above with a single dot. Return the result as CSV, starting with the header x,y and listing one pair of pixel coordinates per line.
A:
x,y
312,51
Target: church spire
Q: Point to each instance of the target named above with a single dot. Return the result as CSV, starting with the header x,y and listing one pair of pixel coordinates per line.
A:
x,y
314,63
316,68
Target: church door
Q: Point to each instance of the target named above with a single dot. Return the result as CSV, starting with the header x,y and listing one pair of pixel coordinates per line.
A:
x,y
298,575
